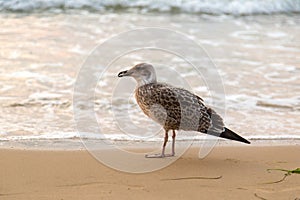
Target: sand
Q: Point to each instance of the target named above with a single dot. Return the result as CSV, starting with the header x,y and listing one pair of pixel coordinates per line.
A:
x,y
241,172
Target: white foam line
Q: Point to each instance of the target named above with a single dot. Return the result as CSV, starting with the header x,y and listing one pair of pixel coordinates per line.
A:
x,y
124,137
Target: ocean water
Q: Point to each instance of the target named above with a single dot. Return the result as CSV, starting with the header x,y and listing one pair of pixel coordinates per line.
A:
x,y
214,7
254,44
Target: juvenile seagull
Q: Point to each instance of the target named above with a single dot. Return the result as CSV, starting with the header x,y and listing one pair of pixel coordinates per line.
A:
x,y
175,108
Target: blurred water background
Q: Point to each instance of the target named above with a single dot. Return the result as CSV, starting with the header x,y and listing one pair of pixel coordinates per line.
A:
x,y
43,44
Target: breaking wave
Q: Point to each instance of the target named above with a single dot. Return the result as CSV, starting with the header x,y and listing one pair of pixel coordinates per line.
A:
x,y
213,7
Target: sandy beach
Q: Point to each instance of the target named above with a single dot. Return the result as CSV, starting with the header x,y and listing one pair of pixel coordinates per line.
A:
x,y
226,173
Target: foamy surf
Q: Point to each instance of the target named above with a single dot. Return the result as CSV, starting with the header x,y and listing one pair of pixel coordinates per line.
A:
x,y
126,137
213,7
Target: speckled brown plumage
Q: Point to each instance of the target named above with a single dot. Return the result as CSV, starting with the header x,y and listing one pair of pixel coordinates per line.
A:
x,y
175,108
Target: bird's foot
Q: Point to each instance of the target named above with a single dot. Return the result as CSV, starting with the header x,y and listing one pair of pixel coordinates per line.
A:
x,y
158,155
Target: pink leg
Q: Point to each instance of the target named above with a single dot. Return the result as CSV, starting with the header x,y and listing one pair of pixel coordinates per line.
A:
x,y
173,143
165,144
162,155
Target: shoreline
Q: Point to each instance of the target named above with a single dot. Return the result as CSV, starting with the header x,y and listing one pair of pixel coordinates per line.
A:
x,y
80,144
226,173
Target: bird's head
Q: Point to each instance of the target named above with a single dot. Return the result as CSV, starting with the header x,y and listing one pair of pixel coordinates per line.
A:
x,y
143,73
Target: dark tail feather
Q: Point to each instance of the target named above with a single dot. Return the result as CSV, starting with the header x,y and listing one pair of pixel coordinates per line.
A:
x,y
217,125
228,134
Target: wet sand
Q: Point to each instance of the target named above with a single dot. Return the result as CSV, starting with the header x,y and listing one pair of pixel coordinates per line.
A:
x,y
240,172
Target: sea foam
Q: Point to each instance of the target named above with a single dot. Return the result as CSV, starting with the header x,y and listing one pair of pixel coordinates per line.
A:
x,y
214,7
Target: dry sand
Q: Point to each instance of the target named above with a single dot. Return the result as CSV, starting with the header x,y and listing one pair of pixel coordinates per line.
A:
x,y
31,174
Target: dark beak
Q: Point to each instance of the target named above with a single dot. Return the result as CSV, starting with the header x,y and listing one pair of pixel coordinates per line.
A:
x,y
123,73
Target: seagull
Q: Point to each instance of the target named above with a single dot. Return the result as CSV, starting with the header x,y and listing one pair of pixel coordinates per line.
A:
x,y
175,108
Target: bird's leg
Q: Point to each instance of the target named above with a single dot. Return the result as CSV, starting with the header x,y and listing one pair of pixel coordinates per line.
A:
x,y
165,144
173,143
162,155
173,146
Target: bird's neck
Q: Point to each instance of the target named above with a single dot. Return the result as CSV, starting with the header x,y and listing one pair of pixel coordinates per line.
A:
x,y
145,80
